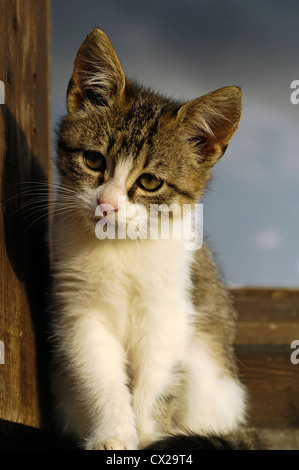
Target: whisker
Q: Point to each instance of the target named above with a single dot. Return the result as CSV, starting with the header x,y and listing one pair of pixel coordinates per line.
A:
x,y
41,203
63,190
46,216
47,204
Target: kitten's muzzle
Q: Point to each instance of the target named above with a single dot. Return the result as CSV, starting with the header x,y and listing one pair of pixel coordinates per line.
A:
x,y
107,208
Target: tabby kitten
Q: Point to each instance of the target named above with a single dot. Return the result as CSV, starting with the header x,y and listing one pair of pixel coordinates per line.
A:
x,y
143,328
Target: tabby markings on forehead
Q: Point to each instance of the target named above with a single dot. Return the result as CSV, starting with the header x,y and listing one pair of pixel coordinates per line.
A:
x,y
153,131
68,149
180,191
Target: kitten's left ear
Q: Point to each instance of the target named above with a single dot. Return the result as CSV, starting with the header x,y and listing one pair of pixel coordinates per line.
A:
x,y
208,123
98,75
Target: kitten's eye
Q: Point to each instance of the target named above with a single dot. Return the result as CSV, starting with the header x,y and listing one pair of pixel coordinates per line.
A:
x,y
95,161
149,182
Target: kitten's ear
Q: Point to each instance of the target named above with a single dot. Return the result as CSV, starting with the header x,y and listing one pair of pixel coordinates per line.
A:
x,y
98,75
208,123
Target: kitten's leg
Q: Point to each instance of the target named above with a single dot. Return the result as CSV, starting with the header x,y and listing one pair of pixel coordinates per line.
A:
x,y
95,362
158,354
212,399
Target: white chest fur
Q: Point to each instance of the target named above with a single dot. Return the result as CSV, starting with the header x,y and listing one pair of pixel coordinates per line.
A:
x,y
126,281
126,308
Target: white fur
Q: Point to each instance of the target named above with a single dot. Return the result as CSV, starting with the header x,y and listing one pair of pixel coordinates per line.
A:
x,y
125,314
219,399
124,326
115,187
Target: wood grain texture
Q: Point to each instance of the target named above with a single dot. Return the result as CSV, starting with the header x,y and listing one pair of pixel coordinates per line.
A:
x,y
273,385
267,316
268,323
24,157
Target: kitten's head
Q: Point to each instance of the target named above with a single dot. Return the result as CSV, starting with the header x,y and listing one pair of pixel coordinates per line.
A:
x,y
120,139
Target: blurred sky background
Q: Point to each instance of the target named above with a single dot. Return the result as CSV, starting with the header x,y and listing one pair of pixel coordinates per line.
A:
x,y
186,48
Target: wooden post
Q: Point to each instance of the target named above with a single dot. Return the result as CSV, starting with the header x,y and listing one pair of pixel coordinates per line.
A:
x,y
24,159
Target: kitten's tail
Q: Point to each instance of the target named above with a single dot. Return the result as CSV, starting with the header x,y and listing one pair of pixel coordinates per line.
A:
x,y
246,439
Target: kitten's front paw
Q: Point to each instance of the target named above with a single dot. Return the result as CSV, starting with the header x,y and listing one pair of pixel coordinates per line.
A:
x,y
111,443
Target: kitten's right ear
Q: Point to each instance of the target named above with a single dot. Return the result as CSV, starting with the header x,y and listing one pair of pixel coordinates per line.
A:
x,y
97,76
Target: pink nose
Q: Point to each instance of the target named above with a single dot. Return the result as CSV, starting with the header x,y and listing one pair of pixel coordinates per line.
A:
x,y
107,208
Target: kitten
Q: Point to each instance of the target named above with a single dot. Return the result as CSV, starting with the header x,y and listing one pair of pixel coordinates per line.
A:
x,y
144,328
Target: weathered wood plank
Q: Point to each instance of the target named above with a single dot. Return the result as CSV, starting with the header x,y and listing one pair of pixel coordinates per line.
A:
x,y
267,316
273,385
268,323
24,157
267,333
